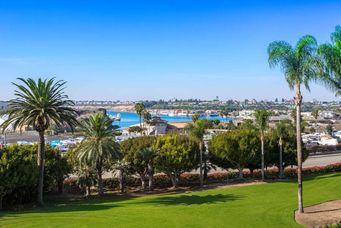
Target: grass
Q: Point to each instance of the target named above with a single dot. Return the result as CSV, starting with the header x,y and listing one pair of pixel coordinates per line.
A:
x,y
265,205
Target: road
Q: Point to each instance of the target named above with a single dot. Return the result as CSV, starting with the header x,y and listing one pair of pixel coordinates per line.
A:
x,y
30,136
322,160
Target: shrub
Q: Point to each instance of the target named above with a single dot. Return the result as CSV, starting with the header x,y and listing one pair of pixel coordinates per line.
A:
x,y
19,173
192,179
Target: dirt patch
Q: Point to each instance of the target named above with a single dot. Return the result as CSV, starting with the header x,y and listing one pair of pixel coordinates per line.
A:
x,y
320,215
245,184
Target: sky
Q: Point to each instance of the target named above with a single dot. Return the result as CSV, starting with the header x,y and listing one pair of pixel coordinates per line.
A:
x,y
138,50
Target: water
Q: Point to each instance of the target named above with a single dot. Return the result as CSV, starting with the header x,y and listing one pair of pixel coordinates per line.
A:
x,y
130,118
55,143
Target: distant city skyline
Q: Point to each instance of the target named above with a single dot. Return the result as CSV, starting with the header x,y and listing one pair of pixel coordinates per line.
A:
x,y
151,50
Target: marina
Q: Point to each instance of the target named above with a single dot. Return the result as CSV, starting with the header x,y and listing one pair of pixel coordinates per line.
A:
x,y
128,119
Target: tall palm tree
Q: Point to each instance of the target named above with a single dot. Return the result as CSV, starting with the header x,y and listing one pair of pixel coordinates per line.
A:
x,y
299,67
281,132
262,118
331,56
197,132
315,113
39,104
139,109
98,147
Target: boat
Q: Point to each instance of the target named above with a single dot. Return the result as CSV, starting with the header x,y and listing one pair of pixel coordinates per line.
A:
x,y
211,113
183,113
116,117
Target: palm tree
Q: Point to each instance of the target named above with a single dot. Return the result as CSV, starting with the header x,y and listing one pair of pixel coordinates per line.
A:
x,y
195,118
281,131
197,131
262,117
299,67
148,156
331,56
139,109
146,116
315,113
123,168
98,147
224,113
39,104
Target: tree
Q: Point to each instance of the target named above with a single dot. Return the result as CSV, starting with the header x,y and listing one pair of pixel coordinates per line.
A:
x,y
176,154
299,67
135,129
98,147
19,173
148,156
197,131
39,104
123,168
146,116
86,174
195,118
281,130
331,59
262,118
315,113
17,170
139,154
288,144
224,113
86,178
139,109
329,129
235,149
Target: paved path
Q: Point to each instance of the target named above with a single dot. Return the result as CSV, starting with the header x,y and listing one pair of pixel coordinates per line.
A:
x,y
322,160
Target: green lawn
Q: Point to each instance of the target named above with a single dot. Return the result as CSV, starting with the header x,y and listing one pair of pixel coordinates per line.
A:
x,y
268,205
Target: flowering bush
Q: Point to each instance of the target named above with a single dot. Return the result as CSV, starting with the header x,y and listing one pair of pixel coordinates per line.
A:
x,y
192,179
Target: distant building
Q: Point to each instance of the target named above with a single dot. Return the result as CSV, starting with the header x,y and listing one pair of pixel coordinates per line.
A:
x,y
156,126
328,115
177,127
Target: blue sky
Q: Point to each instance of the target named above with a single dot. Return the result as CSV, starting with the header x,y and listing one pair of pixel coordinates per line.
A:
x,y
132,50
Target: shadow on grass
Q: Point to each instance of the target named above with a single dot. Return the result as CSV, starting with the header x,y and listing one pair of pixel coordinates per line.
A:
x,y
323,176
62,205
307,177
192,199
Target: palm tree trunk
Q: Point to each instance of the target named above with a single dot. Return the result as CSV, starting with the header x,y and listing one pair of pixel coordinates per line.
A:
x,y
100,179
280,158
87,191
143,182
205,170
121,180
298,101
41,163
262,145
150,177
240,170
173,179
60,180
200,167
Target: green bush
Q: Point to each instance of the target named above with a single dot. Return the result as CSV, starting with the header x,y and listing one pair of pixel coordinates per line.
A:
x,y
19,173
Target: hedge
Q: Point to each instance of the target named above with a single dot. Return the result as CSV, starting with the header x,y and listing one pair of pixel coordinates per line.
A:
x,y
191,179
